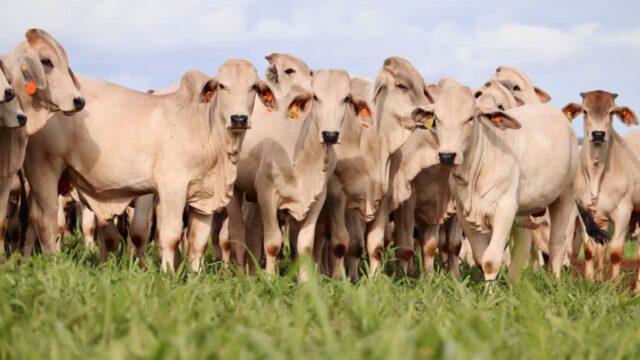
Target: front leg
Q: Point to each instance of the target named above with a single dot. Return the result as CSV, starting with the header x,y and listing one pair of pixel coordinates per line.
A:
x,y
236,238
620,218
271,228
199,229
375,237
502,222
403,231
336,211
307,233
171,202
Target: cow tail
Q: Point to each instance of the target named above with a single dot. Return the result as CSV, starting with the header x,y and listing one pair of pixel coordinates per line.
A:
x,y
593,230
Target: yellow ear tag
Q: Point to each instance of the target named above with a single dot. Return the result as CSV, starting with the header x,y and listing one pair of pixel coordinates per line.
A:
x,y
294,112
569,116
31,87
24,68
428,122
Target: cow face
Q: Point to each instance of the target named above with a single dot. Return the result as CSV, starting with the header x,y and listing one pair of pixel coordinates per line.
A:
x,y
457,115
234,91
11,115
46,75
285,70
328,102
520,85
598,109
401,92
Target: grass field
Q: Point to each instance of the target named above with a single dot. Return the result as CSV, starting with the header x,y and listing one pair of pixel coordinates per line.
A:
x,y
73,307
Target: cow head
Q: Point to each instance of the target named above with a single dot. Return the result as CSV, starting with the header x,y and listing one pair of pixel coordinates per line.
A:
x,y
401,97
457,115
285,70
45,74
520,85
328,101
503,97
11,115
233,92
598,109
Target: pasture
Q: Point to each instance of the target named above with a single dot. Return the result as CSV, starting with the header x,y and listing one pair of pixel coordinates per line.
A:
x,y
73,306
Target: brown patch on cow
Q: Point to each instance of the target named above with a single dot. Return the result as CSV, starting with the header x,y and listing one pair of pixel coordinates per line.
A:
x,y
588,254
272,249
488,267
355,251
226,246
615,256
404,254
339,250
377,253
430,248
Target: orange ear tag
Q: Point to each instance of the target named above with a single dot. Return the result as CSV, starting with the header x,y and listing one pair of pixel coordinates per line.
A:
x,y
31,87
267,97
497,119
627,115
364,114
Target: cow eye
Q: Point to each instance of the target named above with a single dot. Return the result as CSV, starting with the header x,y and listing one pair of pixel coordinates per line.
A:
x,y
315,98
501,107
221,87
46,62
584,112
254,87
289,71
402,87
470,119
435,122
516,88
347,99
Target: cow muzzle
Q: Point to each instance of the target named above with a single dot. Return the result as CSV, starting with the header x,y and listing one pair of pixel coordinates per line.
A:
x,y
239,121
330,137
598,136
446,158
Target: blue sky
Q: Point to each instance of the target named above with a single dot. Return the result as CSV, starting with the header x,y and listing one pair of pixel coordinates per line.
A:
x,y
565,47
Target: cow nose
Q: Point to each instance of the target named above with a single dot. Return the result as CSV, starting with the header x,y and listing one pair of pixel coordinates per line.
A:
x,y
597,135
447,158
79,103
330,137
239,121
22,119
9,94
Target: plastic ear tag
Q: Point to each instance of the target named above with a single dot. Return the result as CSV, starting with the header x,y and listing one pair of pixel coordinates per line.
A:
x,y
627,115
208,96
267,97
294,112
31,87
497,119
364,113
428,122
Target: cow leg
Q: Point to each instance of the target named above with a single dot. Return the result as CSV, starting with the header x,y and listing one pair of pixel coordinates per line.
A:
x,y
375,237
171,203
521,252
199,229
356,228
454,244
87,225
109,239
404,224
254,237
336,211
5,189
560,212
493,256
43,206
236,228
307,234
61,220
271,228
428,235
620,218
141,221
636,237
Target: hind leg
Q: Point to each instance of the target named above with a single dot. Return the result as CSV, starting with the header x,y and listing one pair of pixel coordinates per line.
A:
x,y
559,214
236,238
403,231
356,228
453,244
620,217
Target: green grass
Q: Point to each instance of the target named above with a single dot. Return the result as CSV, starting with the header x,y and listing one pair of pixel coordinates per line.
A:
x,y
73,307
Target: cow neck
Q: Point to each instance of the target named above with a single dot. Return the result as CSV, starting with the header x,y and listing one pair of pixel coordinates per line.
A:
x,y
598,161
357,143
393,135
464,179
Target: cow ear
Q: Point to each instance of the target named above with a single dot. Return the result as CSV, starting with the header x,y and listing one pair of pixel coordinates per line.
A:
x,y
626,115
519,101
6,72
571,110
33,73
298,105
542,95
209,90
75,79
432,92
428,117
501,120
266,95
362,111
381,83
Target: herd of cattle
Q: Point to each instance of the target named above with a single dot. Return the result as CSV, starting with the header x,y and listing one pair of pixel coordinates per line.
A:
x,y
346,166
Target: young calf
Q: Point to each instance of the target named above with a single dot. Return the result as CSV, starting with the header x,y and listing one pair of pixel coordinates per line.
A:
x,y
608,180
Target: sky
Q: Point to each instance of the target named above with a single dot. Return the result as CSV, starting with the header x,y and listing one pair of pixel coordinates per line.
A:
x,y
565,47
